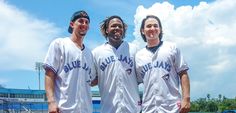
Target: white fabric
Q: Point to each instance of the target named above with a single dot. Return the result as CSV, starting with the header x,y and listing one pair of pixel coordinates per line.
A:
x,y
159,73
74,69
117,80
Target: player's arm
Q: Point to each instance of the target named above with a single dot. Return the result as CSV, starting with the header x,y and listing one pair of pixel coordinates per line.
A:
x,y
49,87
185,85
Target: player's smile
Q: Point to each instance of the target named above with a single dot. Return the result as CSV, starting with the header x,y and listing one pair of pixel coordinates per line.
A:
x,y
152,33
83,29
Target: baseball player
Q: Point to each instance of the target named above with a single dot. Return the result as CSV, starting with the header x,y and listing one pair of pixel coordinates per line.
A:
x,y
69,68
161,67
114,63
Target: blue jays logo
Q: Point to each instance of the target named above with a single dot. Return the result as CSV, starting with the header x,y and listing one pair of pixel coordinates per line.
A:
x,y
129,71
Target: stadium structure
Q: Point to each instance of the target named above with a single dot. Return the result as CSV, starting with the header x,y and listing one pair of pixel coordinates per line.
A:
x,y
31,101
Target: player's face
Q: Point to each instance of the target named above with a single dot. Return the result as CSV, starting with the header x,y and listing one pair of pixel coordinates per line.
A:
x,y
151,29
80,26
115,30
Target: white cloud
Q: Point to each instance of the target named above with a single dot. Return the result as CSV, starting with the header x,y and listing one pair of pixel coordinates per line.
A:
x,y
221,64
3,81
206,35
24,38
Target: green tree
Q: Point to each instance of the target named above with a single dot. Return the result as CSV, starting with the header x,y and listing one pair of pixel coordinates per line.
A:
x,y
219,96
202,104
208,96
194,107
212,106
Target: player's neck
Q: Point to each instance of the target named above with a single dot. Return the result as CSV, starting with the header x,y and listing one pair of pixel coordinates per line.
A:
x,y
115,44
152,43
78,40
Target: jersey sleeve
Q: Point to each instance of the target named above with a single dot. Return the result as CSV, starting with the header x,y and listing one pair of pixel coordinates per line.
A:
x,y
179,61
52,59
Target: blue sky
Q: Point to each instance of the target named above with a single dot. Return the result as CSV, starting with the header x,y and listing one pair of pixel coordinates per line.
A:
x,y
203,30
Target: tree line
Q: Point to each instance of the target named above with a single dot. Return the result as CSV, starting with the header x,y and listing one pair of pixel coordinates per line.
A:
x,y
209,104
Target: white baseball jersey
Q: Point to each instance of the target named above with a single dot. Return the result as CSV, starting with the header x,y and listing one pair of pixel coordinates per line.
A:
x,y
117,79
74,69
159,73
